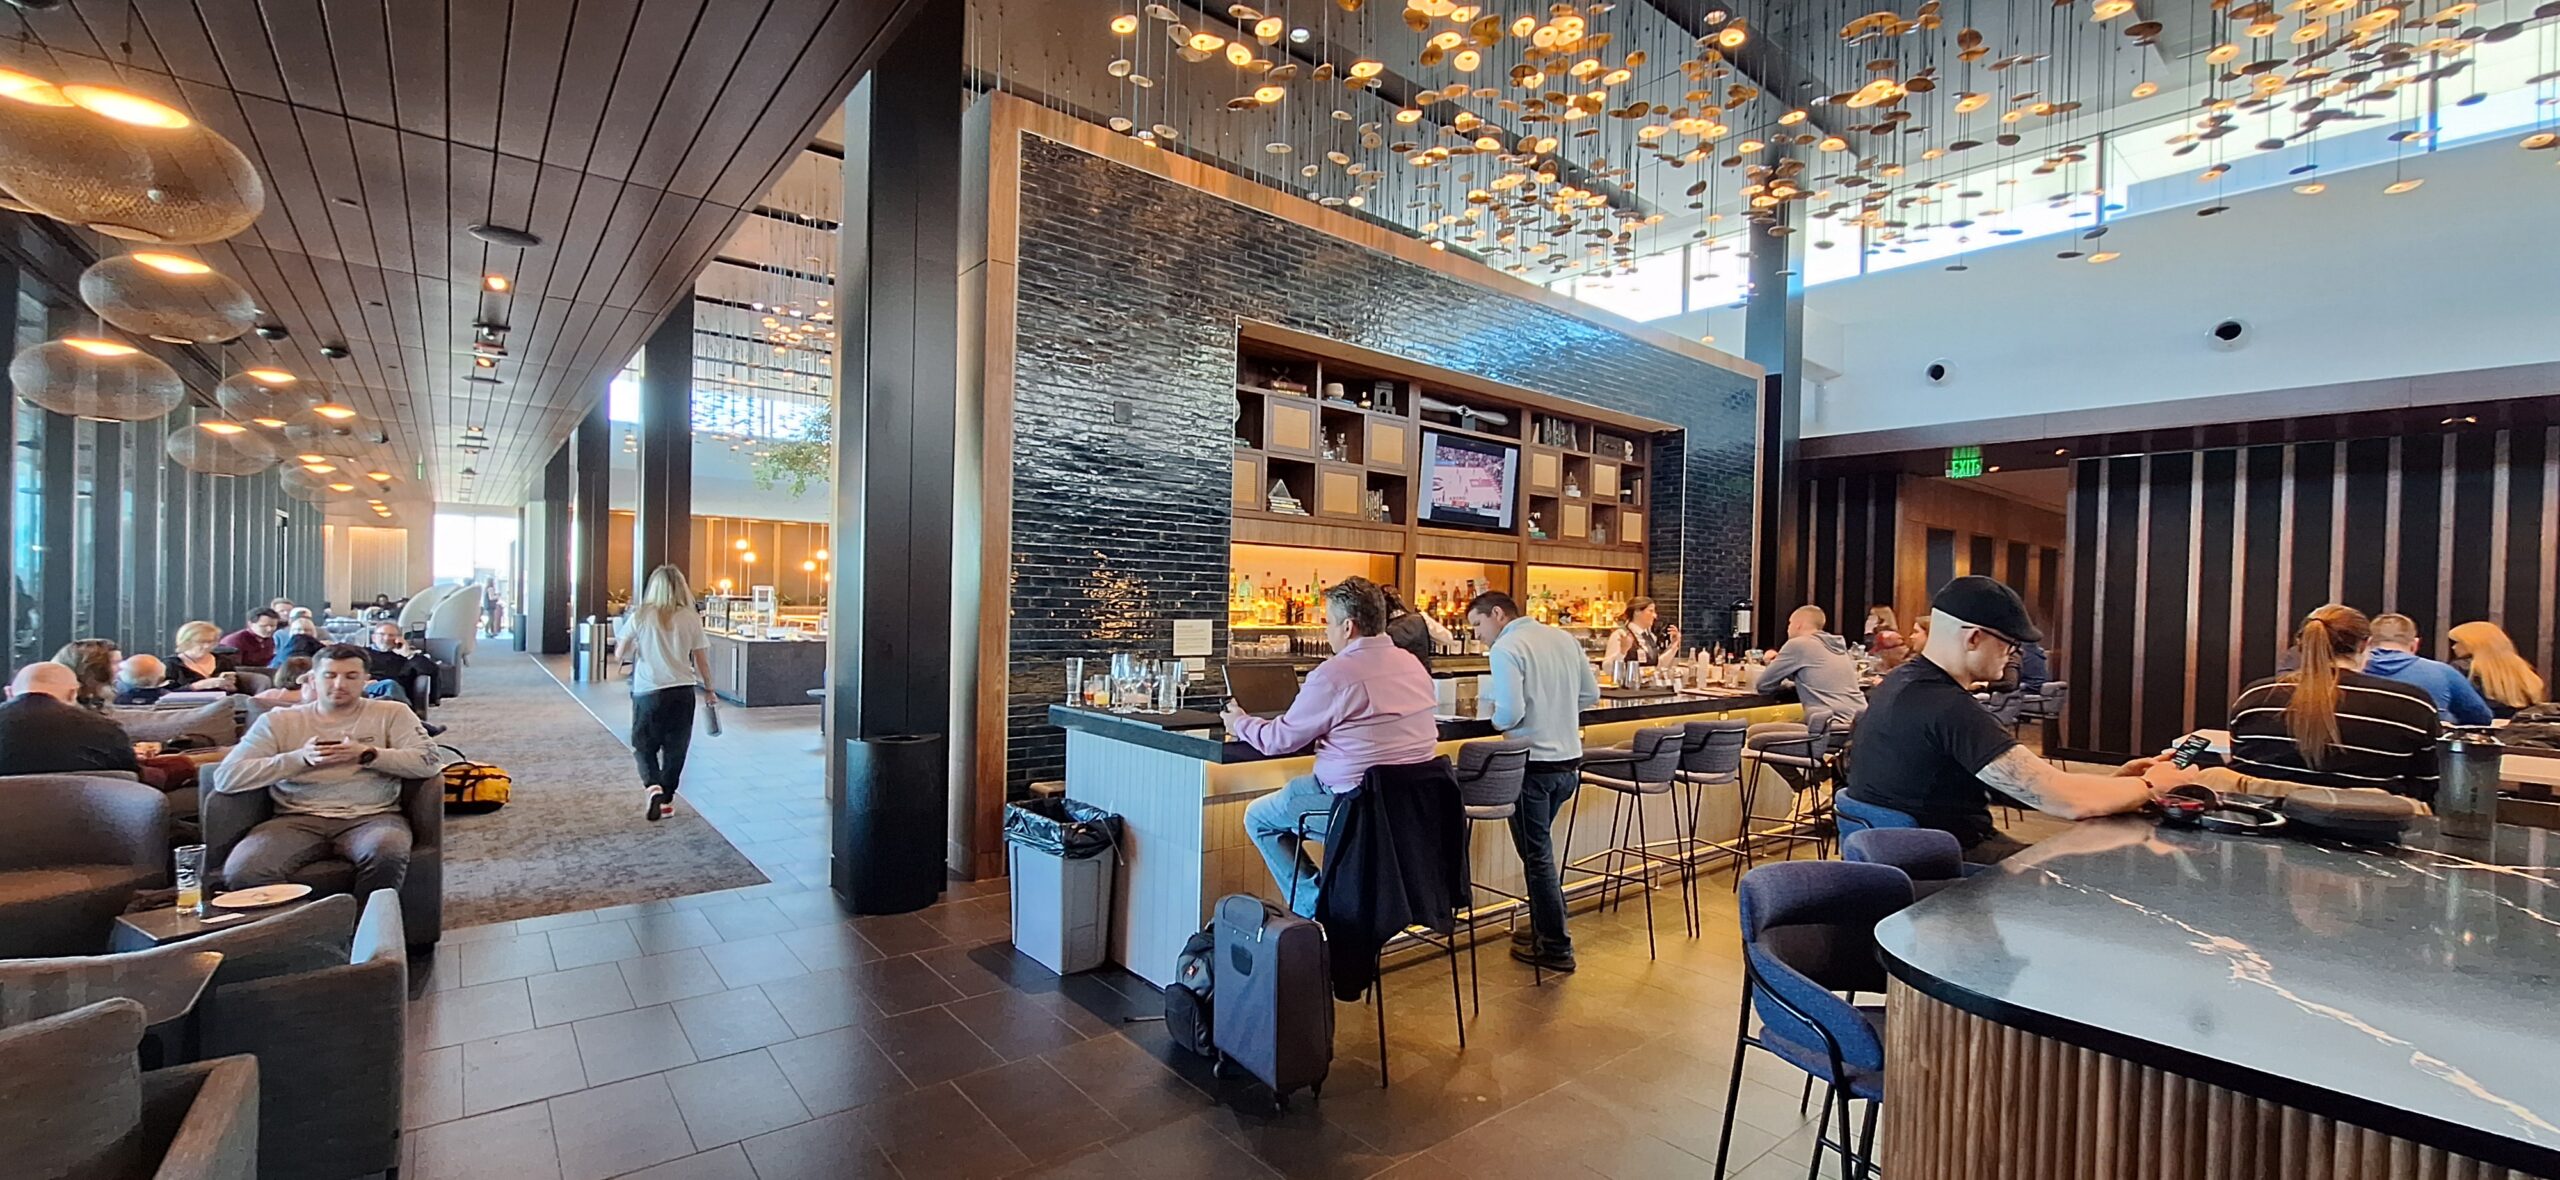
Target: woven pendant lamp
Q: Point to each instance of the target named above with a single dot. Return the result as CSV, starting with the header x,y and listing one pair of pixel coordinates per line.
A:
x,y
306,486
219,448
267,398
122,164
98,379
168,297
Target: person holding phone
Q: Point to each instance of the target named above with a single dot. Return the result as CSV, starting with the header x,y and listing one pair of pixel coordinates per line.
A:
x,y
334,768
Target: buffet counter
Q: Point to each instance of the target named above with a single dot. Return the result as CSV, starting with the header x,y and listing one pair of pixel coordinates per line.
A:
x,y
2123,1000
760,672
1181,784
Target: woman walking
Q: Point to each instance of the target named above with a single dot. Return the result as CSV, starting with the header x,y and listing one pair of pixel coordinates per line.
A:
x,y
661,638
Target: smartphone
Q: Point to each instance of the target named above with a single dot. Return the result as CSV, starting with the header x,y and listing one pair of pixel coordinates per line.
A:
x,y
2188,749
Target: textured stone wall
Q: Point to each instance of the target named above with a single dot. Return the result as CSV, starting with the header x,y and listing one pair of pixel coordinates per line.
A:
x,y
1132,288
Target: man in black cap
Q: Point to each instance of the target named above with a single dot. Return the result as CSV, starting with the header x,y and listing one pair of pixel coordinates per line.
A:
x,y
1927,749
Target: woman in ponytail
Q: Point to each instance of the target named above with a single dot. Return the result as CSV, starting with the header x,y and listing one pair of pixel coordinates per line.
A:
x,y
2330,723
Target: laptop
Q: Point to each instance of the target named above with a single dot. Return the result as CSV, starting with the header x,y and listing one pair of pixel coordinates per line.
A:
x,y
1264,690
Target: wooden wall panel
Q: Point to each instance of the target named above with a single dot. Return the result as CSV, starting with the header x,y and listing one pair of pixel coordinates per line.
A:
x,y
2222,552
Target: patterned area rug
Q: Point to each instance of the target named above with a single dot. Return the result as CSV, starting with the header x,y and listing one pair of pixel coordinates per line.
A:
x,y
572,836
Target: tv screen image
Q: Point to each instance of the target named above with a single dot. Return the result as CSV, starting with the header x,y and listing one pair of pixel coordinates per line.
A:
x,y
1467,482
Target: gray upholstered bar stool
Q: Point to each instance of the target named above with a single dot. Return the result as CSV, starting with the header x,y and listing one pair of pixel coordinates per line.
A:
x,y
1711,757
1490,777
1647,766
1795,754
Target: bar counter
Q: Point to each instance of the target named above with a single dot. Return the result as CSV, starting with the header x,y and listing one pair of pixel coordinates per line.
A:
x,y
2125,1001
1181,785
761,672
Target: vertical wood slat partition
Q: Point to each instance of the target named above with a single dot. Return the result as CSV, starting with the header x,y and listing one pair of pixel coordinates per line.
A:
x,y
1973,1099
2445,528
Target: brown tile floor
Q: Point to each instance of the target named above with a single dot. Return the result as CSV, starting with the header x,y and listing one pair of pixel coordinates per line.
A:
x,y
759,1033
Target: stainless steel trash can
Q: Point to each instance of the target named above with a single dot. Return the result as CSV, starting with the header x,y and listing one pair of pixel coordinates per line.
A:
x,y
593,660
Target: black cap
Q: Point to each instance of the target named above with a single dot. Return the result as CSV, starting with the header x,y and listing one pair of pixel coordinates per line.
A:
x,y
1986,603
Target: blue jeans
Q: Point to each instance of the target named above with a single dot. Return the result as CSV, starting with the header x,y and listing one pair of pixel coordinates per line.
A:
x,y
1549,789
1272,823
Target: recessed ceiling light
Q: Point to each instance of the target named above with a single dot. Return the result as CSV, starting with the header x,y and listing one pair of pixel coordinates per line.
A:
x,y
494,282
505,235
2062,450
378,476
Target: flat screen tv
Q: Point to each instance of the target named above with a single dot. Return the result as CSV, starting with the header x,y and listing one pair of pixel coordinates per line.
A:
x,y
1468,483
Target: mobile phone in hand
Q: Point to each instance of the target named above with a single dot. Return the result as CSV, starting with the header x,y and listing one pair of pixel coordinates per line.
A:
x,y
2188,750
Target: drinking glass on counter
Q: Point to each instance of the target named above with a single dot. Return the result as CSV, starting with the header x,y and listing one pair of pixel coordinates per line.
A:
x,y
1076,694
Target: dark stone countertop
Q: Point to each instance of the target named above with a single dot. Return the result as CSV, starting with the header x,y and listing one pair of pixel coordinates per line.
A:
x,y
2409,990
1201,735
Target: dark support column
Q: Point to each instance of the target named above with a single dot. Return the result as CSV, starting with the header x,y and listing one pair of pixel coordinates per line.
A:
x,y
106,537
546,547
897,383
662,533
61,456
591,515
1773,338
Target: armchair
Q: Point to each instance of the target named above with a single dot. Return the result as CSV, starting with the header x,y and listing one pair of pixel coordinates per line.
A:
x,y
457,618
79,1105
323,995
413,616
227,818
73,852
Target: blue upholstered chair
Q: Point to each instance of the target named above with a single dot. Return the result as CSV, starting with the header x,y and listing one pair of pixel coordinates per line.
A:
x,y
1931,858
1808,932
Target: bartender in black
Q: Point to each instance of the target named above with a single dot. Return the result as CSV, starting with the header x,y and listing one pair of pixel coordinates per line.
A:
x,y
1928,749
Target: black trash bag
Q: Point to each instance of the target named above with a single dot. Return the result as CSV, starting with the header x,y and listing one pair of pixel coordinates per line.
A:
x,y
1061,827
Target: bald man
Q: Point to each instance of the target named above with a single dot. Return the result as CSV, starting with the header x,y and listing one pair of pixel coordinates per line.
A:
x,y
141,680
43,732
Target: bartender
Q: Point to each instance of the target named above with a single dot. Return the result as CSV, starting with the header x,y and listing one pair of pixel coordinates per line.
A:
x,y
1634,639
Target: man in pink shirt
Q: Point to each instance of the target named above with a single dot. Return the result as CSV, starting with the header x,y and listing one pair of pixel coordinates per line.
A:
x,y
1370,705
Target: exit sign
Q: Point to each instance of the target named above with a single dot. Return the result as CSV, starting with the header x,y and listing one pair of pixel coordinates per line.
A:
x,y
1964,462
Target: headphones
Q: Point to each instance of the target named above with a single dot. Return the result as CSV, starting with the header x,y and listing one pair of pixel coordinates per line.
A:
x,y
2194,806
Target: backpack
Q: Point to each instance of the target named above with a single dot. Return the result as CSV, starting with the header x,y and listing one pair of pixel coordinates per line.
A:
x,y
473,788
1187,1001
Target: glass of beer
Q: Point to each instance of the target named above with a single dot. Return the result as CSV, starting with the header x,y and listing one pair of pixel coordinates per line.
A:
x,y
190,877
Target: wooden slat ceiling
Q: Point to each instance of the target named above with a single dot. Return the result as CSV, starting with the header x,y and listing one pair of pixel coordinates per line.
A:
x,y
632,136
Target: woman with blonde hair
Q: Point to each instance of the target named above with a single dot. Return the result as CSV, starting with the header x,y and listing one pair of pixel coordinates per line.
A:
x,y
661,638
192,662
2330,723
2483,651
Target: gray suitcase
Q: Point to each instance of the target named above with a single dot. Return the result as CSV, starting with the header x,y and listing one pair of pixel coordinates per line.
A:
x,y
1275,998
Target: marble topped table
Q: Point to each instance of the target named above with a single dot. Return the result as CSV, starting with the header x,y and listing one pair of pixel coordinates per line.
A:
x,y
2125,1000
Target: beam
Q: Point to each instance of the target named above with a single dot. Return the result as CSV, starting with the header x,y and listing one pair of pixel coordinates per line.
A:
x,y
662,533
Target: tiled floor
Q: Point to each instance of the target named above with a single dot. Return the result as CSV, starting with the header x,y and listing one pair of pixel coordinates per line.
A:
x,y
760,1034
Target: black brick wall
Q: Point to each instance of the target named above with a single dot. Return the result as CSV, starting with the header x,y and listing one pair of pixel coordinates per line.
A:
x,y
1131,289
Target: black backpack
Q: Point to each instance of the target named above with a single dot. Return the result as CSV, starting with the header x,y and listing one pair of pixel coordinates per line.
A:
x,y
1187,1002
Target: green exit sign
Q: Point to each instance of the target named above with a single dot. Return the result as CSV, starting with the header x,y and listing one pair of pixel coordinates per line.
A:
x,y
1964,462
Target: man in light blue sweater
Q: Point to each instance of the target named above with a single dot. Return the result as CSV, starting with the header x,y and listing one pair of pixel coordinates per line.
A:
x,y
1540,683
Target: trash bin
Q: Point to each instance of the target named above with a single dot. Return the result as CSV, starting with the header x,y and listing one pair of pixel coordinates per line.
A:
x,y
594,658
1060,854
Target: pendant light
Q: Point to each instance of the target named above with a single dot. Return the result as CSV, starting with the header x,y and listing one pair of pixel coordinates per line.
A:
x,y
305,485
264,397
216,447
99,379
121,164
168,297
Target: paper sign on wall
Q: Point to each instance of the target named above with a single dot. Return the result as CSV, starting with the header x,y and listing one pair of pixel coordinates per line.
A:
x,y
1191,637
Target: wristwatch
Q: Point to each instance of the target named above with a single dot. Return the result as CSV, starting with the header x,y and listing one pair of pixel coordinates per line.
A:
x,y
366,758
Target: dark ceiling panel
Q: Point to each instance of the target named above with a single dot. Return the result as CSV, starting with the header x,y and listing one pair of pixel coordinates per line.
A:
x,y
360,43
475,70
648,64
537,43
417,64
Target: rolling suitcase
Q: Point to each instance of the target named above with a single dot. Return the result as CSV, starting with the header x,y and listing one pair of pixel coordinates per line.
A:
x,y
1275,999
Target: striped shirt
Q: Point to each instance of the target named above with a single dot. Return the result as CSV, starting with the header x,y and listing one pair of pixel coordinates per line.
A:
x,y
2386,736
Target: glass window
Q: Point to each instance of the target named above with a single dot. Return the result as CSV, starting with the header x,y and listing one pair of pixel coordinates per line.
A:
x,y
1650,290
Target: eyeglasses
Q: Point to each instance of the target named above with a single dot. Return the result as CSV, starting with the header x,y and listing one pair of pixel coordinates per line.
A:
x,y
2013,644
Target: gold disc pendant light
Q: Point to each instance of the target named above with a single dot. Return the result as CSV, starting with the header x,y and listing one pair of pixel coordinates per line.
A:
x,y
121,164
103,380
307,486
215,447
168,297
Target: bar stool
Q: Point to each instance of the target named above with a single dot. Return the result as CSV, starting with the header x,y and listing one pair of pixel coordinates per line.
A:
x,y
1931,858
1448,947
1796,755
1711,756
1490,777
1649,766
1808,931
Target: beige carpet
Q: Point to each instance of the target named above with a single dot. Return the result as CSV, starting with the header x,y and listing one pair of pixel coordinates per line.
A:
x,y
572,837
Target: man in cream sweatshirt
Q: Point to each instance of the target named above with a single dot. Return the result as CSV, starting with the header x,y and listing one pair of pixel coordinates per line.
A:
x,y
334,768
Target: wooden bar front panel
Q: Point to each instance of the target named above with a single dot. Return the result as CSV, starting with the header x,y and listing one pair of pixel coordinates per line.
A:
x,y
1971,1099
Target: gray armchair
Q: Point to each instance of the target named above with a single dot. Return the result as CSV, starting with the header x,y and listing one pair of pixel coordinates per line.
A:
x,y
227,818
321,995
79,1106
73,851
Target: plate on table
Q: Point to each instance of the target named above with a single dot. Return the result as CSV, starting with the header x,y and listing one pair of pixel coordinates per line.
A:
x,y
260,898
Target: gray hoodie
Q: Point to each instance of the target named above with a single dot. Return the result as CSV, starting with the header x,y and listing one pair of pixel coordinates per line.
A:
x,y
1825,676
